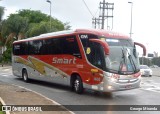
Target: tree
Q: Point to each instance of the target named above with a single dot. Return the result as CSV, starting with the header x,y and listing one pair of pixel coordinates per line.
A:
x,y
27,23
1,38
39,23
14,27
67,26
37,28
145,61
34,16
156,61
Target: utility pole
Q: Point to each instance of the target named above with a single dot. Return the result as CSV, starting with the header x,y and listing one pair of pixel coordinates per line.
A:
x,y
103,12
106,12
131,19
96,22
50,12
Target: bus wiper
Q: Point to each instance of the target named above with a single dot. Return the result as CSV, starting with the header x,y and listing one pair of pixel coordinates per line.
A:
x,y
123,61
131,61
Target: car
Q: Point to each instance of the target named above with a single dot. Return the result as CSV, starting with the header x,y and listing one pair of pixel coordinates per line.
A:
x,y
145,70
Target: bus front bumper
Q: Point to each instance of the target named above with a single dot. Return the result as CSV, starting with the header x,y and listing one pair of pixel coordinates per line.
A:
x,y
109,85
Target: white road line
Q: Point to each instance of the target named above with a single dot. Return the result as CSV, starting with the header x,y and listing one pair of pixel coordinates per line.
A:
x,y
6,75
43,96
154,87
150,89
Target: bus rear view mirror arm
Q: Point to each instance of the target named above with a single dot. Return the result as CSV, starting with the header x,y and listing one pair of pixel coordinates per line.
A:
x,y
142,46
103,43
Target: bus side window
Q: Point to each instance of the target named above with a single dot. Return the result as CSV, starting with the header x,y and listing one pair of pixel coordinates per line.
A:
x,y
34,47
20,48
96,55
70,46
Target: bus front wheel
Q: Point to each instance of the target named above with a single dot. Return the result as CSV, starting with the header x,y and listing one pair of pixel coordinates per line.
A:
x,y
78,85
25,76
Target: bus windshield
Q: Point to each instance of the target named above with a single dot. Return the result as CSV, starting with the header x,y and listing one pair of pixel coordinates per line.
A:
x,y
123,57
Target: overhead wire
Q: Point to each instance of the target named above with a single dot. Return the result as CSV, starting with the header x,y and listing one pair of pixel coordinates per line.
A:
x,y
88,8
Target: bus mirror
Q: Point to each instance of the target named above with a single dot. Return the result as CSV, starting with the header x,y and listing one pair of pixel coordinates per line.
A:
x,y
142,46
103,43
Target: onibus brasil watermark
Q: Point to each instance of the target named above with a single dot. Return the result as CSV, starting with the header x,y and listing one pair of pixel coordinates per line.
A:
x,y
81,108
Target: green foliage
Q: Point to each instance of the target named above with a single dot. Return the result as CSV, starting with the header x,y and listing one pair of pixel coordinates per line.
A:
x,y
14,24
145,61
67,26
6,57
156,61
24,24
33,16
150,61
37,28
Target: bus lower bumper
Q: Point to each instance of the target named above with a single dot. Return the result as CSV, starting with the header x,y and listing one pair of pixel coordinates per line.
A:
x,y
109,86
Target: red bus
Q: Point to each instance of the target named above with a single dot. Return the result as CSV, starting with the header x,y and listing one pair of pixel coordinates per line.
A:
x,y
82,59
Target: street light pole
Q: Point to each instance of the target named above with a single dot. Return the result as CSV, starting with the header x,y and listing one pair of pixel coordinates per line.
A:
x,y
50,12
131,19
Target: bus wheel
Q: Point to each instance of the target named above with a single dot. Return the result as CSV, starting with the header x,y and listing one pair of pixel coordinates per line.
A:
x,y
25,76
78,85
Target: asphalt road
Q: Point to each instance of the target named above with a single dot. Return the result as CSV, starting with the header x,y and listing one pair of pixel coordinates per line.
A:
x,y
148,94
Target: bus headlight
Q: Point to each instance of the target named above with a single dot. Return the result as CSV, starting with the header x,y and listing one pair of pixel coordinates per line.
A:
x,y
109,87
113,79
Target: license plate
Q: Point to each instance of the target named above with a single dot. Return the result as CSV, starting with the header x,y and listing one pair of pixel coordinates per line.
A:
x,y
128,86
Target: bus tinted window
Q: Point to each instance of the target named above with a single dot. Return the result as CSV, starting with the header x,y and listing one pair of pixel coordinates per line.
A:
x,y
52,46
34,47
70,46
96,56
63,45
20,48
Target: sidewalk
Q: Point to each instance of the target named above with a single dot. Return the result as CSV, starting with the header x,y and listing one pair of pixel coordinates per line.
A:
x,y
14,95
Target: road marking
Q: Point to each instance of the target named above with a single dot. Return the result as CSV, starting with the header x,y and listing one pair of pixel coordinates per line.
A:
x,y
43,96
154,87
151,89
6,75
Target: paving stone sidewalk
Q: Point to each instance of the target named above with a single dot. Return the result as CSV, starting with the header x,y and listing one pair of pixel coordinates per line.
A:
x,y
14,95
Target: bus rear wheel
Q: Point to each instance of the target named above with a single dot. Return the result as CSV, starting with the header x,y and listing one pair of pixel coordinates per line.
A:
x,y
78,85
25,76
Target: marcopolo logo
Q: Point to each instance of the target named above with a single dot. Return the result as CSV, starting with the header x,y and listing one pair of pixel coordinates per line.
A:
x,y
64,61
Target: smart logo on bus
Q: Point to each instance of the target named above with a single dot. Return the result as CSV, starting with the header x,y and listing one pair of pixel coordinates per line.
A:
x,y
64,61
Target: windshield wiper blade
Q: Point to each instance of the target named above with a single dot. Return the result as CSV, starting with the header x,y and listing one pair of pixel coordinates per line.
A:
x,y
132,62
121,63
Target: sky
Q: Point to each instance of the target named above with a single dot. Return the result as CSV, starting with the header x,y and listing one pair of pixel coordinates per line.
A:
x,y
145,16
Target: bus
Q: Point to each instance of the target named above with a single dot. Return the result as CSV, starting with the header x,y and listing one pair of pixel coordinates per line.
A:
x,y
99,60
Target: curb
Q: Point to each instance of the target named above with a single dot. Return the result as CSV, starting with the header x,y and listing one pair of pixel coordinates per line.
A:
x,y
3,103
43,97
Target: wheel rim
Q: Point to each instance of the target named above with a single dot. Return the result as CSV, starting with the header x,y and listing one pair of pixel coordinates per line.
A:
x,y
25,76
76,85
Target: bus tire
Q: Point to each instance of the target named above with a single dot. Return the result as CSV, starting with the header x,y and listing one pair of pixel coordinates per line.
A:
x,y
78,85
25,76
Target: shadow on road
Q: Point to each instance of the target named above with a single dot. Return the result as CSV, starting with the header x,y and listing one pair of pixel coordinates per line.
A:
x,y
87,92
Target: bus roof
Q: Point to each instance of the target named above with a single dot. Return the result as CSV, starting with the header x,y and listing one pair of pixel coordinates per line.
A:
x,y
99,32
